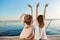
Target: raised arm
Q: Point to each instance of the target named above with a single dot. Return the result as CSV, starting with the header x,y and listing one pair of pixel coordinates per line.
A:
x,y
45,10
22,16
31,9
37,9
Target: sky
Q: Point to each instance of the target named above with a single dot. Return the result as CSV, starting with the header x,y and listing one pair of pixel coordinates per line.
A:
x,y
13,9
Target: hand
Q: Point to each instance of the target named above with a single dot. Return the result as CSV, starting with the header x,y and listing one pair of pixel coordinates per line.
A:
x,y
30,6
46,5
37,5
22,16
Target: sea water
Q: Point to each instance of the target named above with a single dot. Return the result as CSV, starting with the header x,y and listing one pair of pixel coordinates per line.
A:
x,y
14,28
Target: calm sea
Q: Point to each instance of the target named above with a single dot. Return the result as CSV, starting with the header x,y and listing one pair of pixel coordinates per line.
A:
x,y
14,28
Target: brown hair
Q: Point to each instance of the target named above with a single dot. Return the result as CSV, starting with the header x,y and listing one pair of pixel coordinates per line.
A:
x,y
40,21
28,19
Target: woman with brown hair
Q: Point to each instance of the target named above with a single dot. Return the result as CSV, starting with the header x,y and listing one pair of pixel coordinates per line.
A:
x,y
40,25
27,32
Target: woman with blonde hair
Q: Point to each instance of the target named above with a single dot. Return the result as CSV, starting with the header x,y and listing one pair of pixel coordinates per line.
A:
x,y
27,32
40,33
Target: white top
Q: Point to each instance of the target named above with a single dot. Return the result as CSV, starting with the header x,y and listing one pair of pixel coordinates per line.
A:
x,y
39,32
26,32
42,33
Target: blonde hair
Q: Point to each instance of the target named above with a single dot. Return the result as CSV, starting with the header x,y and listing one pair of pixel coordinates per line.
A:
x,y
28,19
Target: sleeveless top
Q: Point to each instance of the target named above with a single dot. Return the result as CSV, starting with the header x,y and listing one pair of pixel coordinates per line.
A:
x,y
27,32
39,32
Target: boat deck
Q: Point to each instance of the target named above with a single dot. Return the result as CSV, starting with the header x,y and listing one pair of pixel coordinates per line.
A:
x,y
50,37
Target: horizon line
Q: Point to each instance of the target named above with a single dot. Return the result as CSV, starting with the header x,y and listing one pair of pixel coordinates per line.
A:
x,y
19,20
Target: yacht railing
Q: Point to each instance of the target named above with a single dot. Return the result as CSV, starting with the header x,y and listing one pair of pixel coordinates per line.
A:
x,y
50,20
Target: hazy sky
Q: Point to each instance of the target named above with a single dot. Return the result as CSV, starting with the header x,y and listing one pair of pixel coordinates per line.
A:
x,y
12,9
